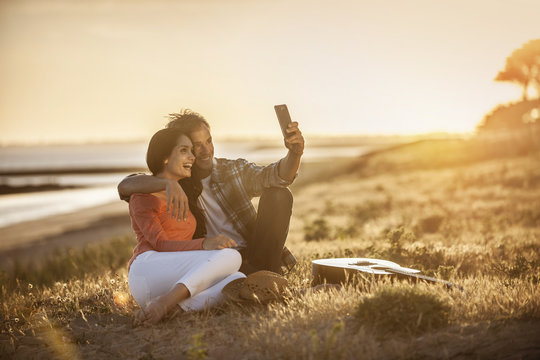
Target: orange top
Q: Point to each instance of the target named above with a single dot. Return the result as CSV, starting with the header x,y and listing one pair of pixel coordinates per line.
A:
x,y
155,228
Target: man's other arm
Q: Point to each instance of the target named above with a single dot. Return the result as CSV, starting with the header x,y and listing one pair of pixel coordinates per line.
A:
x,y
177,201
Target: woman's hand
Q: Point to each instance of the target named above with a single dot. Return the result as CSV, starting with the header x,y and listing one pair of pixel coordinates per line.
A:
x,y
218,242
177,201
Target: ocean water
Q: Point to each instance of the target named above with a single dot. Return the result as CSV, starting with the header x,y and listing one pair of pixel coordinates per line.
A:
x,y
100,187
59,157
18,208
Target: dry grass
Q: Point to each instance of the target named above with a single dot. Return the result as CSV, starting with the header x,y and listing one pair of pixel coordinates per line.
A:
x,y
476,224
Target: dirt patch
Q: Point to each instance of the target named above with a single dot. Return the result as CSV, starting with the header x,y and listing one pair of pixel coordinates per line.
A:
x,y
114,336
493,340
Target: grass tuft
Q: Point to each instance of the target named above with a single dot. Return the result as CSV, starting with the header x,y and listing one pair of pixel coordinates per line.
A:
x,y
69,264
519,268
403,310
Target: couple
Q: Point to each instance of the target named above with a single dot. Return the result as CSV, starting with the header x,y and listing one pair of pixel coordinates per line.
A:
x,y
196,227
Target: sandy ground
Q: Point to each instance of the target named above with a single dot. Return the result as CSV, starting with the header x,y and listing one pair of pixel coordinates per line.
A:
x,y
32,240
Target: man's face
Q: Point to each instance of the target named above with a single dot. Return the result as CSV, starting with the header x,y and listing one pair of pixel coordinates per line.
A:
x,y
203,148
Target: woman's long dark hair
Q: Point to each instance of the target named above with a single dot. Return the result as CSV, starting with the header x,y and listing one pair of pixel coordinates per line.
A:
x,y
192,186
159,149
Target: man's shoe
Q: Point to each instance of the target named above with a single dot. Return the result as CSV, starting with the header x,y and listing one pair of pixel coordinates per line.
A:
x,y
288,261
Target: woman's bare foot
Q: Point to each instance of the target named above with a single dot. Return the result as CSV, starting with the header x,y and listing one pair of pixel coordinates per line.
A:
x,y
155,311
157,308
139,317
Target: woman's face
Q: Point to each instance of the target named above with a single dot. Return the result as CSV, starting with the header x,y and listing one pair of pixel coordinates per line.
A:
x,y
178,164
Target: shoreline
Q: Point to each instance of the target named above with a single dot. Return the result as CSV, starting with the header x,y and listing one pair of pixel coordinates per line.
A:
x,y
72,171
25,189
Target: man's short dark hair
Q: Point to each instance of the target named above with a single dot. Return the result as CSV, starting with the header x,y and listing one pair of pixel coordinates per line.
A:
x,y
187,120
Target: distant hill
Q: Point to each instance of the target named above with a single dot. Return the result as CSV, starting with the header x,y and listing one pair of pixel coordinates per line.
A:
x,y
512,116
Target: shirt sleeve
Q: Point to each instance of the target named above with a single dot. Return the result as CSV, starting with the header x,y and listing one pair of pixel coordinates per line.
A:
x,y
256,178
144,212
126,198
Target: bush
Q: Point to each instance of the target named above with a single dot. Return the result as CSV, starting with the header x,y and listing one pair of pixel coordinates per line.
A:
x,y
348,231
519,268
371,210
430,224
529,217
316,230
396,238
403,310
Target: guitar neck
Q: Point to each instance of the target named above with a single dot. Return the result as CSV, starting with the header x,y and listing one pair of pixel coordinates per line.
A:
x,y
422,277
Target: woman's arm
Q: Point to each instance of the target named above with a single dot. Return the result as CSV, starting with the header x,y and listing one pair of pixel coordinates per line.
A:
x,y
143,211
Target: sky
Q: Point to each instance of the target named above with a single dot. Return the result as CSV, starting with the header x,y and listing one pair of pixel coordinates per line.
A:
x,y
97,70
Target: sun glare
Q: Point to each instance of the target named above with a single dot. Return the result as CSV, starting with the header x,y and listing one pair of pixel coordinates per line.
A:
x,y
75,73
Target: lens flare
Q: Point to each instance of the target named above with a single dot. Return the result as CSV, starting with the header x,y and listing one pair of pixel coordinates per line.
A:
x,y
120,298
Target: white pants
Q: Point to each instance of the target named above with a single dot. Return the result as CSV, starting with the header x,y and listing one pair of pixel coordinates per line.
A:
x,y
203,272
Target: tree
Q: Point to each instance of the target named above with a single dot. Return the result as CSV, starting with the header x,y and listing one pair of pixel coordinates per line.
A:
x,y
523,67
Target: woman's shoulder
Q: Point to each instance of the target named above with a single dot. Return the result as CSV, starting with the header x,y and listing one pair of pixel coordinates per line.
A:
x,y
146,200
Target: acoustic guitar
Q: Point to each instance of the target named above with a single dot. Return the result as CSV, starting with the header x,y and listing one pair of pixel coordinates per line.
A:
x,y
340,270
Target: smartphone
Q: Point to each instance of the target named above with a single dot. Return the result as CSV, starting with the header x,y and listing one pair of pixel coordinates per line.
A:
x,y
283,117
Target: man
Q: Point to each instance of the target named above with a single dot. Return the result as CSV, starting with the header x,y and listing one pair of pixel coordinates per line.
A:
x,y
220,190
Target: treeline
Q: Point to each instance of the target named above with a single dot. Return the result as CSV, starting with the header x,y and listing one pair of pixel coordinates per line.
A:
x,y
518,121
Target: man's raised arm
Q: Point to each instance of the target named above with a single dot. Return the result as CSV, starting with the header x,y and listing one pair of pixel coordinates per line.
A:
x,y
288,166
177,201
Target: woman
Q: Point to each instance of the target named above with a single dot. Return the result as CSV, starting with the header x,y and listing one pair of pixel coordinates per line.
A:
x,y
168,267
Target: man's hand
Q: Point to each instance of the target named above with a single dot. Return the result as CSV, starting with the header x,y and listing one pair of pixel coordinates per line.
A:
x,y
294,141
218,242
177,201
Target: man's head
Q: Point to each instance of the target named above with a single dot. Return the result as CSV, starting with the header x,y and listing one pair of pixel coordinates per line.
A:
x,y
198,130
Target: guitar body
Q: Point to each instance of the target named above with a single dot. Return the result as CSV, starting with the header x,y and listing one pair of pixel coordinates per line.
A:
x,y
343,270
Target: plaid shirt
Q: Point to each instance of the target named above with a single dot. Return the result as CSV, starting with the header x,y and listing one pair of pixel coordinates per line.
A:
x,y
235,182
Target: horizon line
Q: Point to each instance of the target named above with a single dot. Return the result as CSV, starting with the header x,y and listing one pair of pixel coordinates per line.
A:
x,y
229,137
